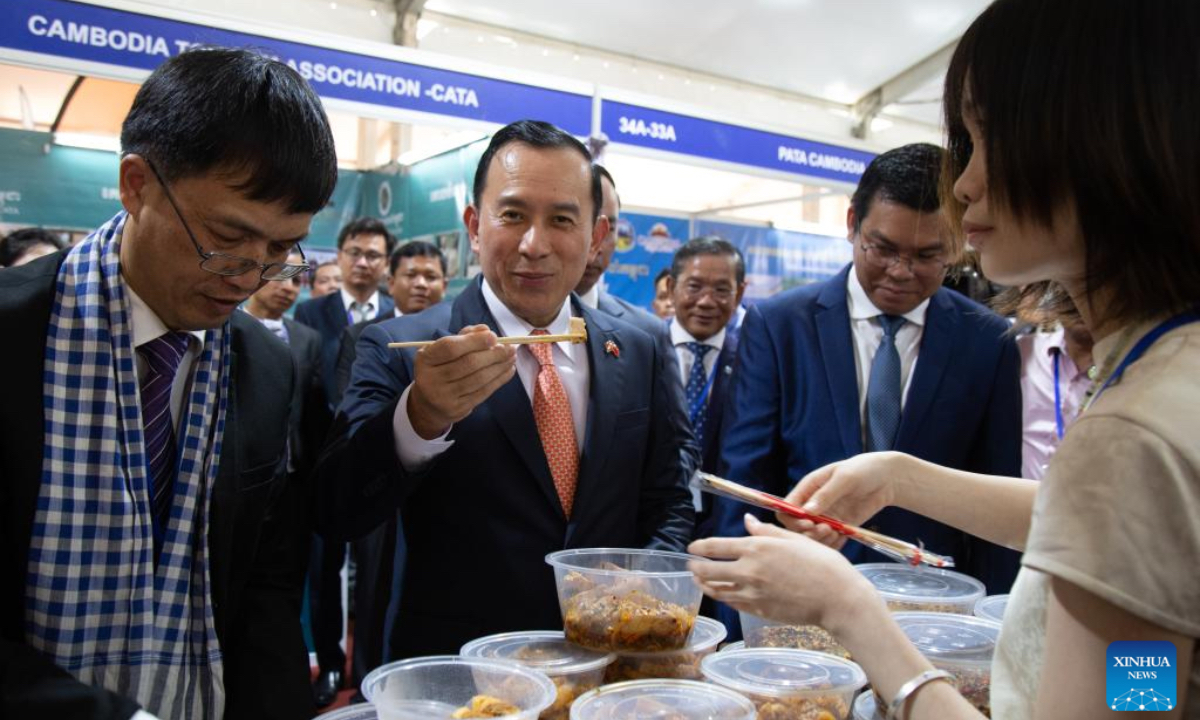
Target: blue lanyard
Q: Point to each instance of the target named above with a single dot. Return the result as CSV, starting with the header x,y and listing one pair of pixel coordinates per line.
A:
x,y
1143,345
1058,419
702,399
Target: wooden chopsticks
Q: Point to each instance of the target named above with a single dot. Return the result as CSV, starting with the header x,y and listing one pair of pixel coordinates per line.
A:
x,y
576,333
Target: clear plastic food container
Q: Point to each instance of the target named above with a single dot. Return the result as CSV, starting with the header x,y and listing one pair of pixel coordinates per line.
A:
x,y
662,700
739,645
623,600
865,707
959,644
920,589
574,670
672,664
361,711
787,684
762,633
447,686
992,607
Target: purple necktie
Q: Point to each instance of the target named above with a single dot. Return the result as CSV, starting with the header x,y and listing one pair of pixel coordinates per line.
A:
x,y
162,355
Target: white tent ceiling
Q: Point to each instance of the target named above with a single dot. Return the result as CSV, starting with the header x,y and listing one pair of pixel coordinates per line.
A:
x,y
835,50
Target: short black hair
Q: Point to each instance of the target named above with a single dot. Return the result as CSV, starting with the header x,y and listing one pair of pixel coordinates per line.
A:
x,y
605,174
416,248
18,242
707,245
239,112
907,175
538,134
366,226
664,273
1089,105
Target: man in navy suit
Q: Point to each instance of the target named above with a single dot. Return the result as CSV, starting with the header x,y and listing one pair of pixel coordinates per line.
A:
x,y
496,454
707,281
364,246
880,358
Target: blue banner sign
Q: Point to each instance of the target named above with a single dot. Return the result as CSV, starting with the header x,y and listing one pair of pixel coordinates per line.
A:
x,y
779,259
660,130
78,31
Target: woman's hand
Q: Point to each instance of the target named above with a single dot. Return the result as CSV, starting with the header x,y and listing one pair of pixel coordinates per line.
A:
x,y
851,491
780,575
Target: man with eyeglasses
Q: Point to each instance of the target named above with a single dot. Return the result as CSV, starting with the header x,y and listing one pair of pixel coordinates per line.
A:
x,y
153,544
880,358
363,249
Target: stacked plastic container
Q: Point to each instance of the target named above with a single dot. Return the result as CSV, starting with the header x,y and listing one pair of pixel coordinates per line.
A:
x,y
919,589
572,669
959,644
788,684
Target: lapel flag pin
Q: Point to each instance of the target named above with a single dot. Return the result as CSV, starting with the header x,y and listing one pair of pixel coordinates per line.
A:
x,y
611,348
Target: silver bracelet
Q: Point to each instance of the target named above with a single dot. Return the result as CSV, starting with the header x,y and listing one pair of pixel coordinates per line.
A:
x,y
910,687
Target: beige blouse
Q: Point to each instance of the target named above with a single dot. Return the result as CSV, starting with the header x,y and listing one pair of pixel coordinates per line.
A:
x,y
1118,514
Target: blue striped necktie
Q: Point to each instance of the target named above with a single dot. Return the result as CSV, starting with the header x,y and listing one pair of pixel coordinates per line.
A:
x,y
883,389
162,356
694,390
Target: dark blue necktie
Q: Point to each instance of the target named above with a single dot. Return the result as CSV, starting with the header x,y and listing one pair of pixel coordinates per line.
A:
x,y
162,355
694,393
883,390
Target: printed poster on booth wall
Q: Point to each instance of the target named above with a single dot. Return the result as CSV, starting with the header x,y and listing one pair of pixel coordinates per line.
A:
x,y
645,245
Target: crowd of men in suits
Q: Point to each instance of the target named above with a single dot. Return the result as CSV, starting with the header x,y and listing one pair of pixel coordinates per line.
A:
x,y
453,468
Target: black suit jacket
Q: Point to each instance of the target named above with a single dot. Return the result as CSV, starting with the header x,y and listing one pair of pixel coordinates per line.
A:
x,y
254,545
311,416
657,328
480,518
346,355
327,315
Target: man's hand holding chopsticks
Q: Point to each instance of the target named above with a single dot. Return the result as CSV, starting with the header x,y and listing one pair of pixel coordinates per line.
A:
x,y
454,375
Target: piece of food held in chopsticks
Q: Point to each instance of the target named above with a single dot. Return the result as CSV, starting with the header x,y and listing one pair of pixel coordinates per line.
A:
x,y
576,333
898,550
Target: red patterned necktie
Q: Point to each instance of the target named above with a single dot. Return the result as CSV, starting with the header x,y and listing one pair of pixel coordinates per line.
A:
x,y
556,428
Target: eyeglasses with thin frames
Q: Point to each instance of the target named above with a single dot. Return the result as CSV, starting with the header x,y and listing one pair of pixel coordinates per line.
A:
x,y
885,257
219,263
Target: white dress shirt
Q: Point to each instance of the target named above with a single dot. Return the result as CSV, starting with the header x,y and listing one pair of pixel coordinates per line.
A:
x,y
679,338
570,360
145,326
591,298
372,305
867,332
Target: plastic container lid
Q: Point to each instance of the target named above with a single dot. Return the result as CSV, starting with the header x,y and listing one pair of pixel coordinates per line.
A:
x,y
361,711
865,709
706,633
951,640
545,650
432,688
992,607
651,563
909,584
654,699
739,645
783,672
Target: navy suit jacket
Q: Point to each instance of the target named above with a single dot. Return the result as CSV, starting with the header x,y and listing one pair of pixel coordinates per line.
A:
x,y
480,518
796,408
327,315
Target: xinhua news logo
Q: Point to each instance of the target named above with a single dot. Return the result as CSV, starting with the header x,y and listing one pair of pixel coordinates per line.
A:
x,y
1141,675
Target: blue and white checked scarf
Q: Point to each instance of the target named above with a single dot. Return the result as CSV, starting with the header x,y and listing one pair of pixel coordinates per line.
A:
x,y
97,604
